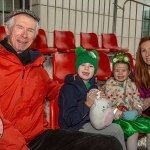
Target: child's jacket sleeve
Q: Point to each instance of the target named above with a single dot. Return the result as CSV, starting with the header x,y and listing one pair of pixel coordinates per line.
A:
x,y
73,112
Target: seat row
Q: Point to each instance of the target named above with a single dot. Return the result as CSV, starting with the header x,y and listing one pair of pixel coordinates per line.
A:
x,y
64,41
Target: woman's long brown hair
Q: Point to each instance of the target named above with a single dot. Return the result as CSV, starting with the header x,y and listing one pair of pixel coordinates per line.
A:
x,y
142,77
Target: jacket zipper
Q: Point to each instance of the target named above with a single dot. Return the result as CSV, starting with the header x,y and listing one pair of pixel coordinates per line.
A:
x,y
23,73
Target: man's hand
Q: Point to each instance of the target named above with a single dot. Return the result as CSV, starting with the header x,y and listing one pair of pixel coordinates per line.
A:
x,y
1,128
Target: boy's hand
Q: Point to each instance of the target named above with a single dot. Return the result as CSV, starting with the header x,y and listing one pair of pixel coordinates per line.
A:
x,y
91,96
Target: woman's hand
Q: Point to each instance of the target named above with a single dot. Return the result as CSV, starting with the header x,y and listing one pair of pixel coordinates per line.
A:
x,y
146,102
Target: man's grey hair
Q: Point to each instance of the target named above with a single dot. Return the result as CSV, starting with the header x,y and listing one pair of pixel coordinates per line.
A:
x,y
10,23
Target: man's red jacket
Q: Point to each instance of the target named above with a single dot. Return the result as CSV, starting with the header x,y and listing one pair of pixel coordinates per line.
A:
x,y
23,90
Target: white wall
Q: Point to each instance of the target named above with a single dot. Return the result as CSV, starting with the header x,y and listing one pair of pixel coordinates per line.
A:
x,y
74,17
69,18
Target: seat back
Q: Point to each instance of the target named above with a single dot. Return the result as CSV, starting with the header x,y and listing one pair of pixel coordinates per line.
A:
x,y
2,33
54,112
104,69
89,41
40,40
64,40
131,60
109,40
63,64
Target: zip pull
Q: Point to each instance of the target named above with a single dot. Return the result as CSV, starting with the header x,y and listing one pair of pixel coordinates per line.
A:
x,y
23,73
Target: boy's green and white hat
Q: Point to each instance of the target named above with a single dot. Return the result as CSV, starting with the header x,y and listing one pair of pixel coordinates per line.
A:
x,y
120,57
84,56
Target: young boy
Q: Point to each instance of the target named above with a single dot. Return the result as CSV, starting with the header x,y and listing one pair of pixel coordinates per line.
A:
x,y
75,99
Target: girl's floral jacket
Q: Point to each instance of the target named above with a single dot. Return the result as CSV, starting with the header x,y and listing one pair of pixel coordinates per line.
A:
x,y
126,94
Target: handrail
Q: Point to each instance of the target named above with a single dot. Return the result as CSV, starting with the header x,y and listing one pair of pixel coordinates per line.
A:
x,y
123,8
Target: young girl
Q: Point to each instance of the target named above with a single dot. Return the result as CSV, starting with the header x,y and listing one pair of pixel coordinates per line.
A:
x,y
75,99
122,91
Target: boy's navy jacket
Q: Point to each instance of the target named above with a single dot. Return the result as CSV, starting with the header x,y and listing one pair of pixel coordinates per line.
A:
x,y
73,113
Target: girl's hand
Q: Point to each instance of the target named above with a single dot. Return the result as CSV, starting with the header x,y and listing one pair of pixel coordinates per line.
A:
x,y
130,115
102,93
118,114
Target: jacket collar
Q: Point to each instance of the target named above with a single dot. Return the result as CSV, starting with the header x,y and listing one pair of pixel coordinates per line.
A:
x,y
26,57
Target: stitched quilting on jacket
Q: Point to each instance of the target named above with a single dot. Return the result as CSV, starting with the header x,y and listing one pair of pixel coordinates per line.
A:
x,y
126,95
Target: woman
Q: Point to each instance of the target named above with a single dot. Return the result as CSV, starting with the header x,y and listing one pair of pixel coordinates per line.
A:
x,y
142,72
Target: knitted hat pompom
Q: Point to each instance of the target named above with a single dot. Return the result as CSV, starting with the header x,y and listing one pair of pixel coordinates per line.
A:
x,y
79,50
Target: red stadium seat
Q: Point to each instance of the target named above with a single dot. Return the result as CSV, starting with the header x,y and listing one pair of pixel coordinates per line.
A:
x,y
63,64
131,60
2,32
64,41
89,41
104,70
54,111
110,41
40,43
